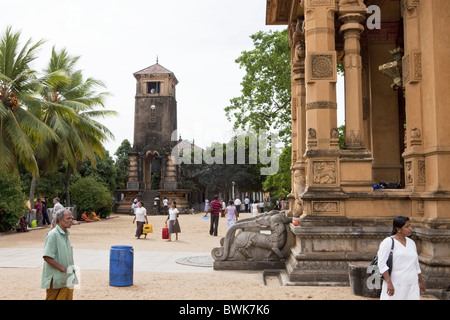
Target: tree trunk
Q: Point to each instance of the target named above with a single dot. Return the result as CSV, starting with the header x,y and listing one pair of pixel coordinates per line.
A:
x,y
69,174
32,191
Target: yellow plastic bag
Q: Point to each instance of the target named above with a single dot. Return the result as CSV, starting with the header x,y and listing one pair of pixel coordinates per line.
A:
x,y
148,228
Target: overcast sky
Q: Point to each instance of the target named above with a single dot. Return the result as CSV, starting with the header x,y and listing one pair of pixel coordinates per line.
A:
x,y
198,40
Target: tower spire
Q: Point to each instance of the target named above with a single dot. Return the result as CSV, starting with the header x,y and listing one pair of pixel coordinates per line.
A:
x,y
157,59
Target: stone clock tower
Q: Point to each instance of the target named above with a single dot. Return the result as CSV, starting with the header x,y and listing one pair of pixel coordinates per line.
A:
x,y
152,172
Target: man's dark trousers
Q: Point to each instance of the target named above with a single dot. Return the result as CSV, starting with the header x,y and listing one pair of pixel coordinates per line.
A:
x,y
214,224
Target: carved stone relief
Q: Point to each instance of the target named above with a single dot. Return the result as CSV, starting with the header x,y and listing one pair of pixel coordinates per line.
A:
x,y
412,68
322,66
409,173
321,105
325,207
354,140
321,2
324,172
409,4
422,179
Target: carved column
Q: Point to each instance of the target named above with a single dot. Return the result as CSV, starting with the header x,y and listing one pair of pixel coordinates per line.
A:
x,y
298,168
356,160
352,17
427,157
412,80
322,151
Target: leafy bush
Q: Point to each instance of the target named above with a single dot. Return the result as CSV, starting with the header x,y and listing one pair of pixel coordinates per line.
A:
x,y
12,201
90,195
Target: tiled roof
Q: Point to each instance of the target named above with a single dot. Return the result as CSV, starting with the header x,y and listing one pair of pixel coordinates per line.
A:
x,y
154,69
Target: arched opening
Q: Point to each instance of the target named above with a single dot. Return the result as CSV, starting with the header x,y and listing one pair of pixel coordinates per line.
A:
x,y
152,170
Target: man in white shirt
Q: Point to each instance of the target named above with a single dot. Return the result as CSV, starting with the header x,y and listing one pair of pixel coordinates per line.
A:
x,y
237,204
247,204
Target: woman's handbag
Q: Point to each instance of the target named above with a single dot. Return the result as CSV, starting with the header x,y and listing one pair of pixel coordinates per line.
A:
x,y
148,228
374,263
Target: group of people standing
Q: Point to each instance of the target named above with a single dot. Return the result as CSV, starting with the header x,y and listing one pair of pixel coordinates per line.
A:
x,y
140,217
231,211
42,216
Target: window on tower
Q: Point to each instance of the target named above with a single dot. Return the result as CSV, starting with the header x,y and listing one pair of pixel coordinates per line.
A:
x,y
153,87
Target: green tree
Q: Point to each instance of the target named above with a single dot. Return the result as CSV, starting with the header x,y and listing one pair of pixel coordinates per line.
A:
x,y
279,184
12,201
266,86
71,111
218,175
123,164
91,195
104,172
18,84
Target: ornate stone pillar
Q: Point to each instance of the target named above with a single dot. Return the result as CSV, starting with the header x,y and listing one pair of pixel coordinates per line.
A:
x,y
356,160
352,17
298,169
322,148
415,177
427,157
412,76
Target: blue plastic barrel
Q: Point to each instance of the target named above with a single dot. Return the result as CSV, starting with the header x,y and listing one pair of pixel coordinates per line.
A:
x,y
121,266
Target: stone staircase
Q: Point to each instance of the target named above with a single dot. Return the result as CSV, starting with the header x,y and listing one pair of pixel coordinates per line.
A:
x,y
148,197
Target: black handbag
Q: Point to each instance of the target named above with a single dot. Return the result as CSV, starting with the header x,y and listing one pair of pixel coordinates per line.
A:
x,y
374,262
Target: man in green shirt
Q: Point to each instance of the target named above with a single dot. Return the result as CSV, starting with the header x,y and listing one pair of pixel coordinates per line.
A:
x,y
58,274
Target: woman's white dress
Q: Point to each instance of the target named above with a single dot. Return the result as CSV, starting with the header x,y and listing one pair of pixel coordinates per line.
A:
x,y
254,209
405,269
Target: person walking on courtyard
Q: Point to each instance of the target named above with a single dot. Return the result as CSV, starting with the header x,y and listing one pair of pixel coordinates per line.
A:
x,y
45,218
166,206
231,214
206,205
174,224
255,207
58,274
247,204
261,206
404,281
237,204
223,209
215,212
141,218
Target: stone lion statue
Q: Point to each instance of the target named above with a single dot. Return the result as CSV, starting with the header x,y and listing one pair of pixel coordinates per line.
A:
x,y
245,242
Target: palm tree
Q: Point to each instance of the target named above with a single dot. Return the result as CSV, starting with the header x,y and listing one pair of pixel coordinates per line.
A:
x,y
70,110
18,83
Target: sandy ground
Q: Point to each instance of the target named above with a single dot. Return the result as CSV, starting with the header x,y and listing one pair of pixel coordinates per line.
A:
x,y
23,283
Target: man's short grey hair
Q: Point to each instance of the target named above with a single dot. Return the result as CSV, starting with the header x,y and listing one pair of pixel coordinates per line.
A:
x,y
60,215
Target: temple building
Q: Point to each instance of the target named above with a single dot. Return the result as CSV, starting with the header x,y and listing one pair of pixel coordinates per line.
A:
x,y
394,55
